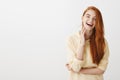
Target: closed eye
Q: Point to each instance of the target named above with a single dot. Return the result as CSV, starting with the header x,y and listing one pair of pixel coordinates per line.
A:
x,y
87,15
94,19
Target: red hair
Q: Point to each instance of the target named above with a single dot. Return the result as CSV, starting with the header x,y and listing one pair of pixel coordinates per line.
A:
x,y
97,41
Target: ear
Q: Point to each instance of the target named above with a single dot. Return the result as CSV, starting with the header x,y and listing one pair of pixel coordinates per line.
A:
x,y
82,19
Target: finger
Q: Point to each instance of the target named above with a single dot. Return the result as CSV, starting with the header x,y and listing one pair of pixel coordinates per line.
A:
x,y
66,64
83,31
68,67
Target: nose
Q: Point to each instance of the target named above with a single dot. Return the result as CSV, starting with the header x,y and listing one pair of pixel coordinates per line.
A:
x,y
90,20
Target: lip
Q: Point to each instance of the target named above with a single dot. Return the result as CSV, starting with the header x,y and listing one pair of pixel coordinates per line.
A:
x,y
90,25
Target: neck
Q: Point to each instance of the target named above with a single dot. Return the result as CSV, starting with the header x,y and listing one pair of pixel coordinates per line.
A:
x,y
88,34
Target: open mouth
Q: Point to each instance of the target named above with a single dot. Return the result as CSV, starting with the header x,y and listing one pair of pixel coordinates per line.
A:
x,y
89,24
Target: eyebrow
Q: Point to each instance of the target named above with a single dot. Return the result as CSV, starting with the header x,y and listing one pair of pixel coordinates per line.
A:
x,y
90,15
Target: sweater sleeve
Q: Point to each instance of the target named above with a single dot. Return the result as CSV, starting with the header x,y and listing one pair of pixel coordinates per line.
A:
x,y
104,62
74,63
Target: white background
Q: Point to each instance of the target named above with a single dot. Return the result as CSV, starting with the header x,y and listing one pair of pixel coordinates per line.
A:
x,y
33,37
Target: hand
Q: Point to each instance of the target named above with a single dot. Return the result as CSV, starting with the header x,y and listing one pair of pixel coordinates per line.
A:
x,y
68,67
82,36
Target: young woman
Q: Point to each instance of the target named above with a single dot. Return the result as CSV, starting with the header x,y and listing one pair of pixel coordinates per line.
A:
x,y
88,49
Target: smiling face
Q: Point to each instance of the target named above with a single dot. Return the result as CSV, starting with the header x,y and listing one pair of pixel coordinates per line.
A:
x,y
89,19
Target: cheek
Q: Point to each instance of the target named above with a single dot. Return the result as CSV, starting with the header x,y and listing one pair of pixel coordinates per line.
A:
x,y
84,20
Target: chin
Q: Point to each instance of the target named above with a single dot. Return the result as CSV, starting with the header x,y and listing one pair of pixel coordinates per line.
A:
x,y
88,28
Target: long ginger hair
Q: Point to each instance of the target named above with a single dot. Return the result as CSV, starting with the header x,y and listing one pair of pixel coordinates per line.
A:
x,y
97,41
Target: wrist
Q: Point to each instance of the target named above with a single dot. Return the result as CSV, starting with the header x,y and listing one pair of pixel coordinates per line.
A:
x,y
79,57
82,45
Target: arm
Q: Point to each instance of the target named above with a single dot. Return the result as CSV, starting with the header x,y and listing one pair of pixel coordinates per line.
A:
x,y
74,60
81,47
92,71
102,65
100,69
80,52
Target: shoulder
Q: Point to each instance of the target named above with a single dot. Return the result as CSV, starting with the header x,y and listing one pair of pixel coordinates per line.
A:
x,y
73,37
106,42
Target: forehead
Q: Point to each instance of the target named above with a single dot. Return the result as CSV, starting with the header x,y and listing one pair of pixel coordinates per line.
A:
x,y
90,12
